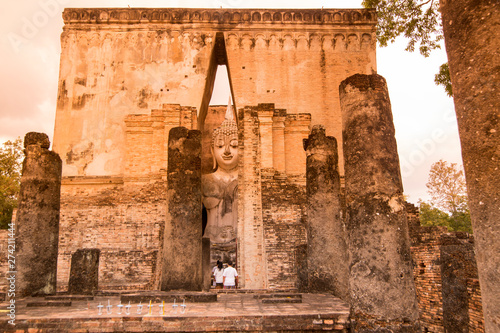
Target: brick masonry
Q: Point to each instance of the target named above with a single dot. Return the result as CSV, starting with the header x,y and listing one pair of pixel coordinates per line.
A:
x,y
426,249
284,215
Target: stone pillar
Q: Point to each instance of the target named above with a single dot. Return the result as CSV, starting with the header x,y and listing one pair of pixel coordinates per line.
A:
x,y
296,130
381,286
182,245
279,140
326,242
37,234
252,263
206,266
84,274
472,45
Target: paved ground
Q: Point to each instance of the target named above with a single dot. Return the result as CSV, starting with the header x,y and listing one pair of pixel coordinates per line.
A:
x,y
231,312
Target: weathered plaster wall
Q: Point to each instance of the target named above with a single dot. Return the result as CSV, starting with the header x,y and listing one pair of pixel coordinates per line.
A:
x,y
300,69
108,71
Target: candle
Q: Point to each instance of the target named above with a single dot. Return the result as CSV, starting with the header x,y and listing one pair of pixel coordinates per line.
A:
x,y
127,308
99,307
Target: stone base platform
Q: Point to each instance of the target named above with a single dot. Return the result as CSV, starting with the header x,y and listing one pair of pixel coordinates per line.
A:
x,y
232,312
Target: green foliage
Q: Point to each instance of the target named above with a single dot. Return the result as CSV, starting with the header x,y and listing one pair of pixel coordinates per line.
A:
x,y
448,192
432,217
443,79
11,155
417,20
460,221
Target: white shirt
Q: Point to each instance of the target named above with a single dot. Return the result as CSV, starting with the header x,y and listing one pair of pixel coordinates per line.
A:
x,y
230,274
218,275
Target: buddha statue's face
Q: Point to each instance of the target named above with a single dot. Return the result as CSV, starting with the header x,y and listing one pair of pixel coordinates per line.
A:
x,y
226,151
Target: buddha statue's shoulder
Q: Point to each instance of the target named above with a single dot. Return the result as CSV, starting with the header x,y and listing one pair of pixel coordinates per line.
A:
x,y
215,185
212,186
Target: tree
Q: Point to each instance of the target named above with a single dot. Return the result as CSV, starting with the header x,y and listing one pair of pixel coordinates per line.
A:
x,y
431,216
11,155
448,192
417,20
447,188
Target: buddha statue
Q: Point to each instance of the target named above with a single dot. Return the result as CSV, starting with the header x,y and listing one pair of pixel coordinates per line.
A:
x,y
219,188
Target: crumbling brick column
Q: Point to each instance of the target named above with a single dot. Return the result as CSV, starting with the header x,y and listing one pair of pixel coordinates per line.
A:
x,y
381,287
326,243
296,130
84,276
279,117
182,245
37,221
472,45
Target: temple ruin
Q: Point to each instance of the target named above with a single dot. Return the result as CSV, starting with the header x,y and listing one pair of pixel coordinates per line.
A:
x,y
128,76
296,180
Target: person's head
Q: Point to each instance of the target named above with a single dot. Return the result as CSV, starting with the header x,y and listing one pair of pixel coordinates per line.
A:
x,y
230,263
219,264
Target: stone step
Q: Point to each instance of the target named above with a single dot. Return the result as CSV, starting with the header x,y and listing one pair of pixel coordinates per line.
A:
x,y
43,304
159,296
69,298
279,295
281,300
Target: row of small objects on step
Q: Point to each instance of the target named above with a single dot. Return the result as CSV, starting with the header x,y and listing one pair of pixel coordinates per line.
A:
x,y
139,308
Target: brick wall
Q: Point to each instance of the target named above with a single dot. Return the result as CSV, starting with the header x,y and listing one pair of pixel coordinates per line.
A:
x,y
428,246
476,318
125,222
283,214
427,273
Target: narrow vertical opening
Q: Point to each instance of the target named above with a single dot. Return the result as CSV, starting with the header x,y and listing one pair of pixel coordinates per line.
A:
x,y
218,83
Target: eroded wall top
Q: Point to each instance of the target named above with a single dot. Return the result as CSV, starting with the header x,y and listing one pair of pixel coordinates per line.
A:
x,y
219,16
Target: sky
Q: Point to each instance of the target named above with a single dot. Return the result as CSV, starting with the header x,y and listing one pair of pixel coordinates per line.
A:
x,y
424,116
